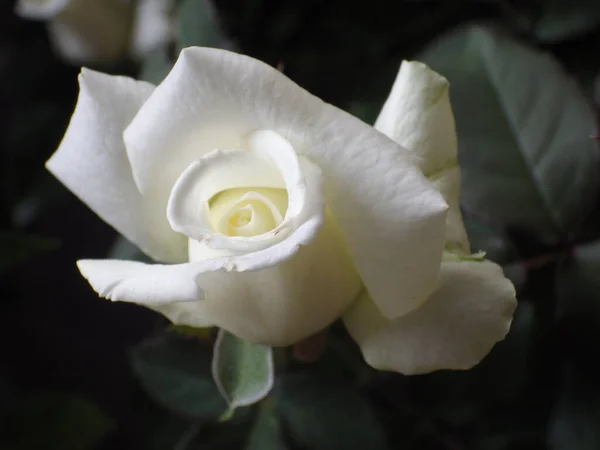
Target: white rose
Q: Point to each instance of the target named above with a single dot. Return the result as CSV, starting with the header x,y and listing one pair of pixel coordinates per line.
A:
x,y
84,31
272,208
471,309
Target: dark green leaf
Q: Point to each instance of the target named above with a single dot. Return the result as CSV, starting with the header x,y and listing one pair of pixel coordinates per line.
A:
x,y
218,438
156,66
564,19
231,435
266,433
492,240
574,420
322,410
524,134
163,430
498,248
176,372
578,304
578,283
197,25
158,429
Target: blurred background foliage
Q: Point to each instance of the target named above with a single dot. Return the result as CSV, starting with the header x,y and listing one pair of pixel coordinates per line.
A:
x,y
79,373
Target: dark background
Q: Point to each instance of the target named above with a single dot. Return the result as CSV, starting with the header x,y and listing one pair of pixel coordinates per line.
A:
x,y
65,376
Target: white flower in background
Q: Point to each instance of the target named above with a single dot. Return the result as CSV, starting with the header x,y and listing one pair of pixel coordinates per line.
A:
x,y
471,309
152,26
84,31
272,208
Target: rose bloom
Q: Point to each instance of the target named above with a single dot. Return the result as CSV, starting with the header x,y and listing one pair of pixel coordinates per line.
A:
x,y
85,31
272,214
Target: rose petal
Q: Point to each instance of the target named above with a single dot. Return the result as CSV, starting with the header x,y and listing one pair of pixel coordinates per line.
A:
x,y
188,209
276,306
302,189
391,218
456,328
447,183
418,115
264,214
270,161
278,247
91,161
152,284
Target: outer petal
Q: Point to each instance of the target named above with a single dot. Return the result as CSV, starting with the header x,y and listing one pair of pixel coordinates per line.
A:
x,y
456,328
391,219
447,182
92,30
418,115
152,284
91,161
275,306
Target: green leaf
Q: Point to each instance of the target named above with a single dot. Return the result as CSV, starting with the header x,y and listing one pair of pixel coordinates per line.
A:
x,y
242,371
492,240
156,66
16,247
266,432
565,19
322,410
53,421
175,371
523,129
197,25
578,294
578,280
220,437
158,429
574,420
498,247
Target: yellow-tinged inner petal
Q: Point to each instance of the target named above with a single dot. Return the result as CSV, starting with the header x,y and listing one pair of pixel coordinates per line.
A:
x,y
247,211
